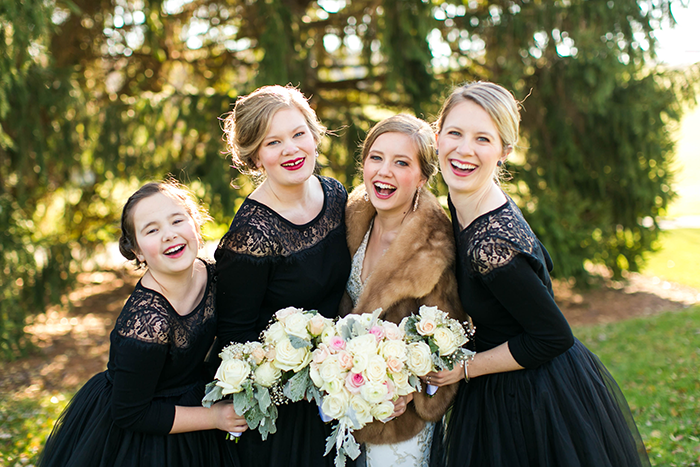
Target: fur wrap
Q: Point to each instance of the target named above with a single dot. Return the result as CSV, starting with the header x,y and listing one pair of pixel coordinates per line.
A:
x,y
417,269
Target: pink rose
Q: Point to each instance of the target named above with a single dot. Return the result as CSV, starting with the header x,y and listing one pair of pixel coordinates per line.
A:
x,y
377,332
321,353
394,364
337,343
345,360
316,325
390,388
354,382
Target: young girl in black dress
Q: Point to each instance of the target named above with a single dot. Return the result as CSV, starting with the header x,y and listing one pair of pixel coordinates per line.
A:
x,y
145,409
286,247
535,395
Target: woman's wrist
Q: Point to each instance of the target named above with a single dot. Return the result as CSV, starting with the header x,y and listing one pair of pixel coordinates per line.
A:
x,y
467,360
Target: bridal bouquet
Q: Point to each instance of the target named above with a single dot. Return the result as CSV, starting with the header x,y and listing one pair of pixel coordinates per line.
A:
x,y
432,336
360,367
246,373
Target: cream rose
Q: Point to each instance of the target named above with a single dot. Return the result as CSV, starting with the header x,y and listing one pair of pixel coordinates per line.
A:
x,y
426,326
344,360
284,313
362,411
321,353
445,341
275,333
359,362
288,358
401,383
257,352
394,364
296,325
335,405
383,410
392,331
328,334
330,369
267,375
317,324
391,348
374,393
419,361
376,369
231,374
315,375
334,386
365,344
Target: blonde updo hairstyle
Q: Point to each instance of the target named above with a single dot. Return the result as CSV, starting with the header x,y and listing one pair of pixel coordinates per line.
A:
x,y
128,245
417,130
247,125
496,100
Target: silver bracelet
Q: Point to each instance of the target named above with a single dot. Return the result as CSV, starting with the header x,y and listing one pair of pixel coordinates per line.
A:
x,y
466,366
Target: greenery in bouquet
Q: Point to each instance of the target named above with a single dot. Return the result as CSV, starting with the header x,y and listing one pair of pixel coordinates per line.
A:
x,y
360,367
246,374
432,334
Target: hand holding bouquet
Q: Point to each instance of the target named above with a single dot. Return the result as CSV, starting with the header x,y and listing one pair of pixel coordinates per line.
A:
x,y
246,373
434,342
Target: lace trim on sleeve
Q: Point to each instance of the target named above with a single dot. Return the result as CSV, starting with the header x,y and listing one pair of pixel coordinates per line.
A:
x,y
494,240
260,232
149,318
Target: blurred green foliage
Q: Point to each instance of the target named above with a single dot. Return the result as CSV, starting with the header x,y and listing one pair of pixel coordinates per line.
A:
x,y
98,96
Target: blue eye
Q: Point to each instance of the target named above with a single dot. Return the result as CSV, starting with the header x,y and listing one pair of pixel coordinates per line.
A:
x,y
301,133
402,163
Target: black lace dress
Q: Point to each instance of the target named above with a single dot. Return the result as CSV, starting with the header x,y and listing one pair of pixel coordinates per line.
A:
x,y
564,409
122,417
266,263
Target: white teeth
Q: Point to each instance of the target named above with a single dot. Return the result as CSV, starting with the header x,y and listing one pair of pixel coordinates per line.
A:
x,y
463,166
383,186
293,163
174,249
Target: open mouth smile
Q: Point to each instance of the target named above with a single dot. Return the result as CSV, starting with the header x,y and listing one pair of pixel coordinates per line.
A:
x,y
175,251
383,190
462,168
294,164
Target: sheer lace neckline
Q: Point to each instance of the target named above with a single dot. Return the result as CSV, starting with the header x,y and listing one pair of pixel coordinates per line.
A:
x,y
169,306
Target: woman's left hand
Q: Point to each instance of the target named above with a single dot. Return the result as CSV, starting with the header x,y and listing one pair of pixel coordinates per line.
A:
x,y
445,377
400,405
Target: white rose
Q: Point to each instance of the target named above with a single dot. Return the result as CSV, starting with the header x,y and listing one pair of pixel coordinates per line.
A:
x,y
288,358
401,383
231,374
296,325
334,386
327,334
359,362
376,369
432,313
393,348
330,369
374,393
362,411
275,333
365,344
419,361
267,375
335,405
445,341
383,410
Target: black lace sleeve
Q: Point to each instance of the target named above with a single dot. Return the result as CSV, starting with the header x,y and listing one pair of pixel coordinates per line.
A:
x,y
510,261
139,357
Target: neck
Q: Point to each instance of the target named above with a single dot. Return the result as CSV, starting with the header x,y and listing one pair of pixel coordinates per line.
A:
x,y
289,196
173,286
388,225
471,205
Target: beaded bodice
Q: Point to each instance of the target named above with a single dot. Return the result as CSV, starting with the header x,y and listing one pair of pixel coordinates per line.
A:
x,y
355,284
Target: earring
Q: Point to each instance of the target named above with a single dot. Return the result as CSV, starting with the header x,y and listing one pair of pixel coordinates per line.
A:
x,y
437,152
415,203
499,163
366,197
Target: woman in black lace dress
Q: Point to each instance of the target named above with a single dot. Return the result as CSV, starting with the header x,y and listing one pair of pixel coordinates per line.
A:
x,y
145,410
286,247
533,395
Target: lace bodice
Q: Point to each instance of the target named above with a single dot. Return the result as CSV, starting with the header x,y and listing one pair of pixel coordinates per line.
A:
x,y
259,231
148,317
495,238
355,284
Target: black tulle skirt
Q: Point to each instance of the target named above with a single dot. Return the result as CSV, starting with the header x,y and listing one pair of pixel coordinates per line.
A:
x,y
300,440
568,412
86,436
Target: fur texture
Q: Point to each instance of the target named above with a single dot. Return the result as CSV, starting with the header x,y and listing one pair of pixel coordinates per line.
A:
x,y
417,269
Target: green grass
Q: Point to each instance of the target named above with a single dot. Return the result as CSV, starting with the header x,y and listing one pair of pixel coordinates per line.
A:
x,y
25,422
678,260
655,361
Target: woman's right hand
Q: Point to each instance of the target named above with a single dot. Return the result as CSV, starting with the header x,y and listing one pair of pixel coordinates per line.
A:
x,y
226,418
